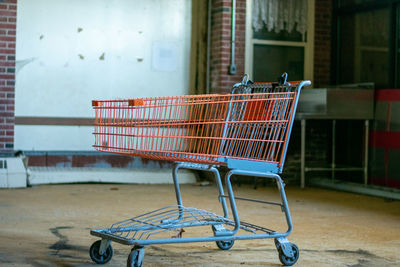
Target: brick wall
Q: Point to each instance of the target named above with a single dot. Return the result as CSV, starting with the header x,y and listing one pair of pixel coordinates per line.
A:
x,y
221,80
322,43
318,150
8,18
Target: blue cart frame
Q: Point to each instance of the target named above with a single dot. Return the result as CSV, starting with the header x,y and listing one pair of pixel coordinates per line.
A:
x,y
142,230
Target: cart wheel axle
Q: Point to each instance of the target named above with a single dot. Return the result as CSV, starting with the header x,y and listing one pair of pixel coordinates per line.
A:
x,y
289,261
135,258
94,253
225,245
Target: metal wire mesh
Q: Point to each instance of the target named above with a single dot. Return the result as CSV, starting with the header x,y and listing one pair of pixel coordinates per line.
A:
x,y
169,218
199,128
162,220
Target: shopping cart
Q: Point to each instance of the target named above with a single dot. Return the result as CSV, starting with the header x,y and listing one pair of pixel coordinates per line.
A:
x,y
247,131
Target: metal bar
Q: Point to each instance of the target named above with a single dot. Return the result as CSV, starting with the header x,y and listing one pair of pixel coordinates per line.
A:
x,y
126,241
232,66
333,148
358,188
281,187
256,200
303,153
225,129
150,218
285,206
167,226
232,202
336,169
366,152
256,227
104,245
221,192
208,64
176,184
296,101
203,167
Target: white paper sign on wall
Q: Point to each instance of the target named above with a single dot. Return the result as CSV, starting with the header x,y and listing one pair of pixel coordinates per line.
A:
x,y
165,56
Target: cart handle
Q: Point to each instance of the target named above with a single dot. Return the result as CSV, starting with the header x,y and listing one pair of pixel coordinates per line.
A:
x,y
283,79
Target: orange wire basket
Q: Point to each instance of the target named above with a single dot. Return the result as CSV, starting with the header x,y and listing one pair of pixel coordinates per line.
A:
x,y
252,124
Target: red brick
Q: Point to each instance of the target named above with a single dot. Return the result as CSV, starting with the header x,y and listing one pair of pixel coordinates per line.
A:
x,y
322,55
8,13
6,89
7,76
7,51
6,139
7,38
6,127
8,26
7,101
221,81
7,63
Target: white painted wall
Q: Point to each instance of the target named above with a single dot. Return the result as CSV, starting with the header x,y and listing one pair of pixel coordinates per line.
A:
x,y
70,52
48,138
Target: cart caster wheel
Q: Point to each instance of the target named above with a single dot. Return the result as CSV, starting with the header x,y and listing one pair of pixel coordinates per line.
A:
x,y
289,261
94,252
225,245
135,258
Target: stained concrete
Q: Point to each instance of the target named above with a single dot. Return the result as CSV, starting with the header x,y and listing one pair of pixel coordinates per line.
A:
x,y
49,226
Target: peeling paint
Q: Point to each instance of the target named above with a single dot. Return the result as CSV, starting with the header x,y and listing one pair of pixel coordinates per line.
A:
x,y
102,56
19,64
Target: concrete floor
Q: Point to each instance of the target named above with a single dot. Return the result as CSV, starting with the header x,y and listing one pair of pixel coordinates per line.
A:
x,y
49,226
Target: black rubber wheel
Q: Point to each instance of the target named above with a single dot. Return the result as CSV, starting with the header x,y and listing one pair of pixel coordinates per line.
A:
x,y
133,259
289,261
225,245
95,255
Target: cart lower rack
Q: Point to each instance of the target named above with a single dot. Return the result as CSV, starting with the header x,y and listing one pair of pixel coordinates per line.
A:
x,y
247,131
